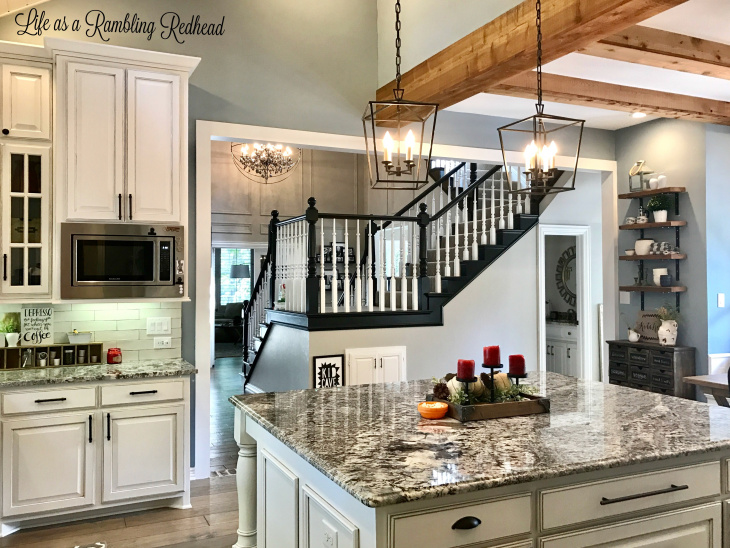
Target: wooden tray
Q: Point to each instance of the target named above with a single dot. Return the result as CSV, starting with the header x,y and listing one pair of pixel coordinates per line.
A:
x,y
484,411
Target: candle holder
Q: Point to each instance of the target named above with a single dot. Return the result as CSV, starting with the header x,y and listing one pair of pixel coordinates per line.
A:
x,y
493,395
466,382
517,377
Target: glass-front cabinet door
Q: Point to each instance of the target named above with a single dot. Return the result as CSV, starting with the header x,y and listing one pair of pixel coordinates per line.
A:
x,y
25,196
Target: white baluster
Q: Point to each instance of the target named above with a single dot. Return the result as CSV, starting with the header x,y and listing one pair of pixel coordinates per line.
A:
x,y
414,261
381,270
518,208
435,234
465,216
475,229
501,201
358,282
303,266
447,231
322,289
492,226
510,215
485,239
334,266
457,264
441,205
346,282
403,278
528,202
369,266
437,281
284,270
392,276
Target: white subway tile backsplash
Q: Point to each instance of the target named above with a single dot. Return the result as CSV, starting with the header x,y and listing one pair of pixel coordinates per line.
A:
x,y
73,316
157,313
170,305
160,354
116,315
101,336
140,306
95,306
125,325
143,344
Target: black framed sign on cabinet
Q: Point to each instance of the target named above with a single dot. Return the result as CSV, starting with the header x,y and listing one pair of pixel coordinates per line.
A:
x,y
328,371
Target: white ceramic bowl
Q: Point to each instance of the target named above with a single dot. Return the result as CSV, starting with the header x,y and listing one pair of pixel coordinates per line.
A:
x,y
642,246
630,252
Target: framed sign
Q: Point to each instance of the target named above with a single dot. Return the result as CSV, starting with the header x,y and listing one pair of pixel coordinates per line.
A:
x,y
328,371
36,325
647,324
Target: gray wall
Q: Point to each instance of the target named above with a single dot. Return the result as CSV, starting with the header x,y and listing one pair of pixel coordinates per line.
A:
x,y
284,364
676,148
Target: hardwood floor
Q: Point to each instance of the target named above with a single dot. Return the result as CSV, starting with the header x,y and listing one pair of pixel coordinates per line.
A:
x,y
210,523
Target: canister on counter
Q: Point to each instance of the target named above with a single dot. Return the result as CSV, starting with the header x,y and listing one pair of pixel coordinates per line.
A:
x,y
114,355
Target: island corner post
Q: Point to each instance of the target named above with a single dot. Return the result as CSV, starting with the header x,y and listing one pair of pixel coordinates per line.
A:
x,y
246,486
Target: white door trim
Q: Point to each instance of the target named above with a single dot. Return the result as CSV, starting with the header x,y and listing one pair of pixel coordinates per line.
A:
x,y
206,131
583,266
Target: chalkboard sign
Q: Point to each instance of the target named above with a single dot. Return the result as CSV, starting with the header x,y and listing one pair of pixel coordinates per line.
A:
x,y
647,324
36,325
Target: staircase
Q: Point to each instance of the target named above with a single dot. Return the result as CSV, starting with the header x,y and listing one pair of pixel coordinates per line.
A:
x,y
405,267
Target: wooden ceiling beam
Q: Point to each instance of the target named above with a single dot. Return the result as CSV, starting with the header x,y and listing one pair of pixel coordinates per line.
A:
x,y
668,50
506,46
575,91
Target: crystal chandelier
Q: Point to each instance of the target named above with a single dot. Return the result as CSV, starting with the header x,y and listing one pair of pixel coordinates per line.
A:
x,y
272,163
537,136
399,134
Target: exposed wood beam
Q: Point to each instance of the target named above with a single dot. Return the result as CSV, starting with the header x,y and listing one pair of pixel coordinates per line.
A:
x,y
506,46
575,91
658,48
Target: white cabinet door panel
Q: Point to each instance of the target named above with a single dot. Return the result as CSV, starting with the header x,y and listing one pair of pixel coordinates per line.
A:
x,y
26,102
143,452
153,158
48,464
95,169
361,370
278,516
376,365
390,367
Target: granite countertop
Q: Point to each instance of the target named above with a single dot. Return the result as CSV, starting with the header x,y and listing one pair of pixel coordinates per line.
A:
x,y
370,439
102,372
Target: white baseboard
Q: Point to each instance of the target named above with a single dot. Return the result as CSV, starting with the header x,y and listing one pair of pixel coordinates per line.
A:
x,y
718,363
251,389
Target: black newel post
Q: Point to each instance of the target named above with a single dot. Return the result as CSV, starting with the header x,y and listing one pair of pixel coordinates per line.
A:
x,y
246,319
312,287
272,254
424,283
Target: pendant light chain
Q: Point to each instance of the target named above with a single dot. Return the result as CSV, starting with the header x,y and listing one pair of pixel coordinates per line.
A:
x,y
398,91
538,21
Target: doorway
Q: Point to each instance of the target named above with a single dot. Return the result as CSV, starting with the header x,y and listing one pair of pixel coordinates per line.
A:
x,y
564,290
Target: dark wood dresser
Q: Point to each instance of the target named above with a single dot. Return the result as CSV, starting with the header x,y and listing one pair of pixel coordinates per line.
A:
x,y
652,367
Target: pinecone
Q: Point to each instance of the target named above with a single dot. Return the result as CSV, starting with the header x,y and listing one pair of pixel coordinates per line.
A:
x,y
449,376
441,391
487,380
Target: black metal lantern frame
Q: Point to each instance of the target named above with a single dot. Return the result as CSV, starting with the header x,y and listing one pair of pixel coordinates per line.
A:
x,y
536,135
405,131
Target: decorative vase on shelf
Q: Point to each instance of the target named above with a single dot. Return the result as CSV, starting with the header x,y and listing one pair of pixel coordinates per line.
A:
x,y
658,273
12,339
634,336
667,333
660,216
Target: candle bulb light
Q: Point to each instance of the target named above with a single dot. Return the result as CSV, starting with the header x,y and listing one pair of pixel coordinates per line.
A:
x,y
410,145
388,147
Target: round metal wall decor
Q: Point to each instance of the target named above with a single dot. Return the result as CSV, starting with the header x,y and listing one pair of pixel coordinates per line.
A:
x,y
565,276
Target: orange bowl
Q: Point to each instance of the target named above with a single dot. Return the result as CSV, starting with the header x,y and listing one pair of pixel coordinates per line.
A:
x,y
432,409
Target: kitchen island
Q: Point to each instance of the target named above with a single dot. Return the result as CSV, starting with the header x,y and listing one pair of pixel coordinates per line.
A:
x,y
96,439
358,467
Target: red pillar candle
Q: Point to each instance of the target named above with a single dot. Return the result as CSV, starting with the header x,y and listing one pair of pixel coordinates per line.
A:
x,y
465,369
517,365
491,355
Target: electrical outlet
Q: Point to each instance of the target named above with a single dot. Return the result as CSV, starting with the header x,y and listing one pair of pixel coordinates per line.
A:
x,y
159,326
721,300
329,535
163,342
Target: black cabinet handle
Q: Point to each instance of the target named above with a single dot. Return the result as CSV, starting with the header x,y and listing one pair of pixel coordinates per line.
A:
x,y
468,522
672,489
130,207
143,392
120,207
568,352
5,267
49,400
6,131
90,438
108,427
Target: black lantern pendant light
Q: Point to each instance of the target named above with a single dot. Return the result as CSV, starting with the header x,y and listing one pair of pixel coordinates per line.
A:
x,y
541,137
399,134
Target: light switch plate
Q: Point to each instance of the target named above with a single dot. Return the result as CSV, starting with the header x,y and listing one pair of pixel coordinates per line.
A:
x,y
624,297
721,300
163,342
159,326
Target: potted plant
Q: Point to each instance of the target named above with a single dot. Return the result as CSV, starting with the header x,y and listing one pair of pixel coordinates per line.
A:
x,y
667,332
10,325
659,205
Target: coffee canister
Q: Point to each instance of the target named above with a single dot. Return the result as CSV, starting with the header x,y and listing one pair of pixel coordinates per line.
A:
x,y
114,355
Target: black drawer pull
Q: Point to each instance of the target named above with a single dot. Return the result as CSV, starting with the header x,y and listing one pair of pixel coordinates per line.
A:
x,y
468,522
90,438
672,489
5,267
49,400
120,207
143,392
130,207
108,427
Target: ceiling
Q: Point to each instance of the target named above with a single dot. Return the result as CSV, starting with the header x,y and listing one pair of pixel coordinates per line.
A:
x,y
707,19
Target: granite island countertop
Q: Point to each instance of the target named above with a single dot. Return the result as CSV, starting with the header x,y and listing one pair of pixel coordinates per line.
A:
x,y
370,439
31,376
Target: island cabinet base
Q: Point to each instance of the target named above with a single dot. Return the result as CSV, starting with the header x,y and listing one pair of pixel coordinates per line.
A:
x,y
285,502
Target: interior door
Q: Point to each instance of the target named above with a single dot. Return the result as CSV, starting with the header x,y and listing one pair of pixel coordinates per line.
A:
x,y
143,451
95,141
153,157
26,102
48,463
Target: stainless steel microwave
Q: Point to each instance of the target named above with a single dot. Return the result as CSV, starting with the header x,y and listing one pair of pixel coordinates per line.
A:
x,y
121,261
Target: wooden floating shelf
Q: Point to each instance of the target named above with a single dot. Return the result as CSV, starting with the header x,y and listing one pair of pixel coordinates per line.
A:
x,y
653,288
642,226
670,257
654,192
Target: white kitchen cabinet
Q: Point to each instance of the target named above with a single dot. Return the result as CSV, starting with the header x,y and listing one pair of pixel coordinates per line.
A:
x,y
153,152
279,493
26,101
95,140
143,452
48,463
25,236
375,365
